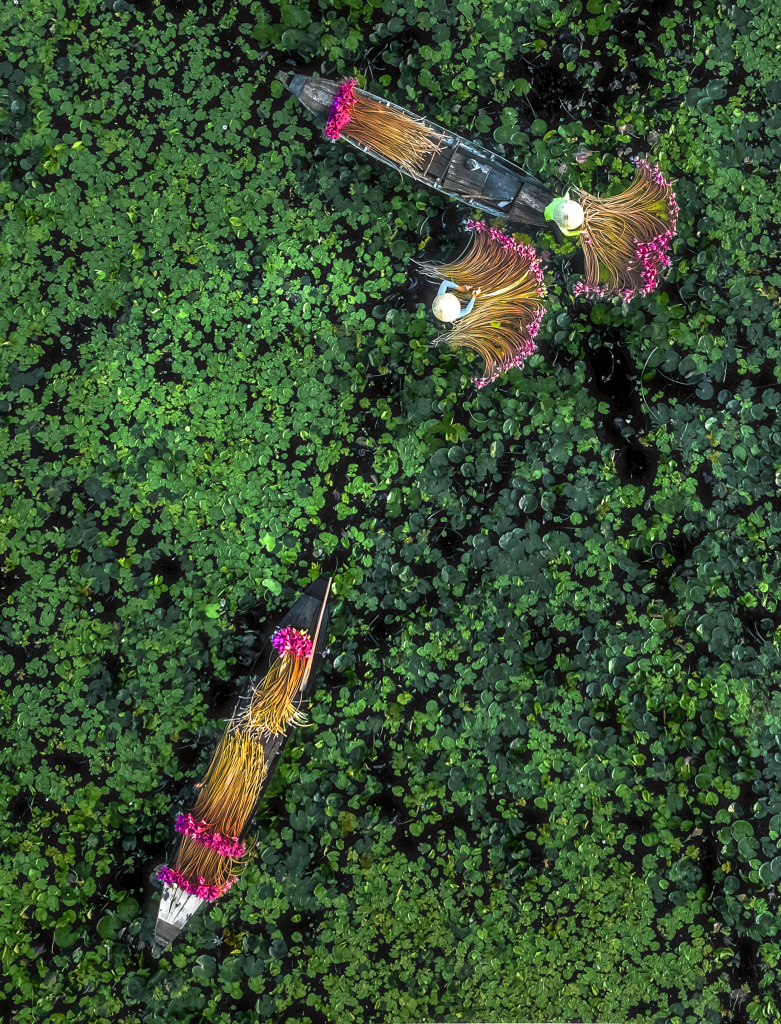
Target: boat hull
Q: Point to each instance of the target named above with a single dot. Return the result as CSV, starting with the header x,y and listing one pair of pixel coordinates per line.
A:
x,y
461,170
309,613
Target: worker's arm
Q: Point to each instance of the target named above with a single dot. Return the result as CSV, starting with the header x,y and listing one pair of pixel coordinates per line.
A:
x,y
445,285
467,308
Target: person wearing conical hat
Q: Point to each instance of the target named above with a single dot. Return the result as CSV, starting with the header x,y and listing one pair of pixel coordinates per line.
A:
x,y
503,316
566,214
447,307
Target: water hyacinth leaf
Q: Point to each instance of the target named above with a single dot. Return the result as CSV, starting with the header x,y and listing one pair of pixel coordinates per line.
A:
x,y
300,821
254,967
278,949
65,938
747,848
135,989
127,909
291,37
109,927
205,967
740,829
542,649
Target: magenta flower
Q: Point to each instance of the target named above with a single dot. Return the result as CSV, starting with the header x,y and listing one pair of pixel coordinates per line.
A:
x,y
203,891
654,257
200,833
582,154
293,640
341,107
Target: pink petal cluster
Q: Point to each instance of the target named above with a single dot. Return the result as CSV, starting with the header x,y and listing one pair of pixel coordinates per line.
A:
x,y
527,348
581,288
289,639
510,245
203,891
339,115
654,257
200,833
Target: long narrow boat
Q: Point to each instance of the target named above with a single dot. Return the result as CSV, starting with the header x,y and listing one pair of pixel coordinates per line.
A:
x,y
309,613
462,170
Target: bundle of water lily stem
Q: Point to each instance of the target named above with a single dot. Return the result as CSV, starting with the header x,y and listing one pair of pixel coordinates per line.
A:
x,y
627,238
508,309
407,140
210,855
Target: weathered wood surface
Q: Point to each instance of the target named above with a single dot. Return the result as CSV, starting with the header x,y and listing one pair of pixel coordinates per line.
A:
x,y
309,613
463,170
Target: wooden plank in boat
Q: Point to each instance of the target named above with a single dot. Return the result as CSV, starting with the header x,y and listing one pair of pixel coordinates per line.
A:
x,y
530,203
465,179
438,165
318,96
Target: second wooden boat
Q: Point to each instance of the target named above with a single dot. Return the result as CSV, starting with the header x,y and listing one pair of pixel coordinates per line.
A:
x,y
309,617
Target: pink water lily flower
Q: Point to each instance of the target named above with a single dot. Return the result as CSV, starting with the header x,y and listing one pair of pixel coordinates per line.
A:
x,y
292,640
200,833
203,891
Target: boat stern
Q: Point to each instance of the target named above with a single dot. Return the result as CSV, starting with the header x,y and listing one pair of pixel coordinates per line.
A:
x,y
316,94
176,909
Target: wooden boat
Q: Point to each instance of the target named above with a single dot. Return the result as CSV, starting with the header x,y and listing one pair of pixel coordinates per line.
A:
x,y
309,613
462,170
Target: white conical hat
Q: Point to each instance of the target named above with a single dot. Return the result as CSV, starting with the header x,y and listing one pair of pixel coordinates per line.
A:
x,y
446,307
569,215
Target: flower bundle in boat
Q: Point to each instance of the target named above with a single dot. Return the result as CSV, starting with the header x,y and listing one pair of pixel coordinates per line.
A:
x,y
213,847
430,153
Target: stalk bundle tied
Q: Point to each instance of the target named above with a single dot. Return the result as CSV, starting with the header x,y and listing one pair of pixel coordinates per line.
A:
x,y
402,138
506,316
627,238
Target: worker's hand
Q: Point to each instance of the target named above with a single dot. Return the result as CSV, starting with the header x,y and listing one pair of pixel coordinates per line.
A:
x,y
476,292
